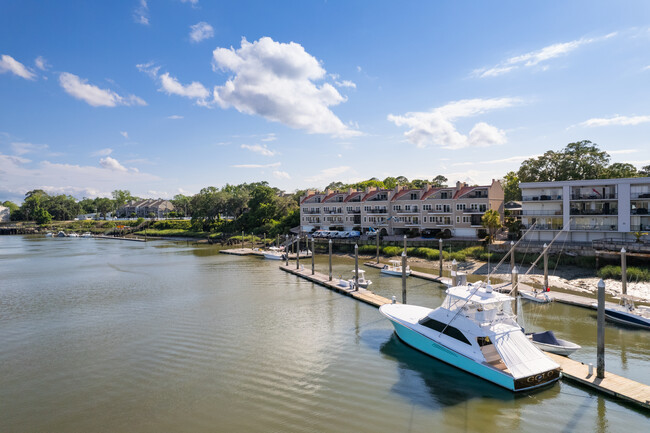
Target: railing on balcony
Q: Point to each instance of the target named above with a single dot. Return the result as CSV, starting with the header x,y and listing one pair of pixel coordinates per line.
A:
x,y
311,212
596,227
639,211
378,199
639,227
412,210
445,210
543,227
594,196
354,211
377,211
474,210
541,212
594,211
332,211
541,197
640,195
476,195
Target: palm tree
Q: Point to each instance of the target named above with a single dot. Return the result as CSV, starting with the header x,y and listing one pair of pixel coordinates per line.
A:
x,y
491,220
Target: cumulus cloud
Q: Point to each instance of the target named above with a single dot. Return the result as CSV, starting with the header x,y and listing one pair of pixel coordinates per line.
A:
x,y
281,174
175,117
102,152
171,86
112,164
149,68
278,82
41,63
616,120
436,126
201,31
257,148
9,64
534,58
141,13
93,95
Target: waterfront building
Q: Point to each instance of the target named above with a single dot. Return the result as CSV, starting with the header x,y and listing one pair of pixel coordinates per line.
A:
x,y
456,210
144,208
588,209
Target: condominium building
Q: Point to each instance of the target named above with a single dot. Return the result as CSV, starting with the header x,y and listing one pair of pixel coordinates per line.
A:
x,y
586,209
457,209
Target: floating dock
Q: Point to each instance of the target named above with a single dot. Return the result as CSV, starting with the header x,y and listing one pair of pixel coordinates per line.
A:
x,y
120,238
259,252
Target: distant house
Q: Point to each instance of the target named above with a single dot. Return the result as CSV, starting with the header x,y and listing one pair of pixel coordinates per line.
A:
x,y
4,214
88,216
145,208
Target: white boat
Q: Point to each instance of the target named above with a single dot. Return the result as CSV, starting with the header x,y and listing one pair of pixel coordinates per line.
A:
x,y
87,235
547,342
48,235
274,253
61,234
73,235
539,297
363,283
395,268
626,313
474,330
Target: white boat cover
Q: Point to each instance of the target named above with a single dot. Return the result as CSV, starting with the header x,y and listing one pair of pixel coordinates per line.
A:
x,y
521,357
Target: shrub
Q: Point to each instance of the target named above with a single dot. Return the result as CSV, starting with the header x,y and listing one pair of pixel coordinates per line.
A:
x,y
393,251
172,224
633,273
368,249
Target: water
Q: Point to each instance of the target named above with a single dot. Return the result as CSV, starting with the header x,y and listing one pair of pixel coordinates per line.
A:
x,y
102,335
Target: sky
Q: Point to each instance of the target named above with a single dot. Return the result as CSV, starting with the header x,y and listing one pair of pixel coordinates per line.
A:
x,y
167,97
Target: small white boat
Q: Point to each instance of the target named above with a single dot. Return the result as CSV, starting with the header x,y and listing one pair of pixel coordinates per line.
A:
x,y
395,268
474,330
274,253
626,313
87,235
547,342
61,234
73,235
363,283
539,297
48,235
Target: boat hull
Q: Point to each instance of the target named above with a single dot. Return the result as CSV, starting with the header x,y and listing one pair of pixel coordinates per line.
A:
x,y
627,319
558,350
539,298
271,256
394,273
439,351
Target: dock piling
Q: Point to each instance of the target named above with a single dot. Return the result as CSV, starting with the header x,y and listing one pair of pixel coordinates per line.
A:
x,y
454,273
330,245
545,268
404,274
356,267
298,252
600,337
377,238
515,283
624,271
313,253
512,255
440,256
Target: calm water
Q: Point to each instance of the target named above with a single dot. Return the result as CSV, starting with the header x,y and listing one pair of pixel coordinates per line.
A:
x,y
100,335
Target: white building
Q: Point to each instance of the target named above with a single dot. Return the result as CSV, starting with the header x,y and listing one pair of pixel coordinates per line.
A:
x,y
588,209
4,214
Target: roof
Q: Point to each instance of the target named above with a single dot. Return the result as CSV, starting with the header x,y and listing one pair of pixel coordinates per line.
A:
x,y
431,192
467,189
401,193
376,191
350,196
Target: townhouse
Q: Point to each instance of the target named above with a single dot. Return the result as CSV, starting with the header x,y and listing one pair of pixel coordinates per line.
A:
x,y
456,210
145,208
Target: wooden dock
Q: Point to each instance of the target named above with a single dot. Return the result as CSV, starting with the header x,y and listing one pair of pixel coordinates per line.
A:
x,y
612,384
120,238
259,252
417,274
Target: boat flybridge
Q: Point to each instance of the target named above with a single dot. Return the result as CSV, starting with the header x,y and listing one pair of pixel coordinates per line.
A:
x,y
474,329
395,268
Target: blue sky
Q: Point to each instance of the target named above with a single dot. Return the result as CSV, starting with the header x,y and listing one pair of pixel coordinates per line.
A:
x,y
170,96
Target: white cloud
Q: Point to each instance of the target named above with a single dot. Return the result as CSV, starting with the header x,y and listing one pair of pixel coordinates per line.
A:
x,y
201,31
277,81
9,64
262,150
175,117
171,86
281,174
124,134
270,137
41,63
328,174
346,83
534,58
275,164
149,69
102,152
192,2
93,95
622,151
616,120
112,164
21,148
436,126
141,13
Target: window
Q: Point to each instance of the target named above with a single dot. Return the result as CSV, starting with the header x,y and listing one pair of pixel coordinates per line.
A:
x,y
426,207
466,219
458,219
397,207
474,206
449,331
482,208
424,219
407,207
414,196
460,206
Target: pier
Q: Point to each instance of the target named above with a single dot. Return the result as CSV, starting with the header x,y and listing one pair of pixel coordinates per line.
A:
x,y
258,252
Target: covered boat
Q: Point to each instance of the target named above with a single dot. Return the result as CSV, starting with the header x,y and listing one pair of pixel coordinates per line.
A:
x,y
548,342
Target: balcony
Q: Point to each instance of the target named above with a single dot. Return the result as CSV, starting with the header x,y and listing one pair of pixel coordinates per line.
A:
x,y
354,211
594,211
332,212
543,227
476,195
541,212
377,211
474,211
594,227
639,227
311,212
412,210
639,211
594,196
640,195
445,210
382,198
541,198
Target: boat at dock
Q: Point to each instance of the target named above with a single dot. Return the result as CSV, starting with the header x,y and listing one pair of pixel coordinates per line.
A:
x,y
61,234
395,269
474,329
48,235
87,235
547,342
73,235
274,253
535,296
626,313
363,283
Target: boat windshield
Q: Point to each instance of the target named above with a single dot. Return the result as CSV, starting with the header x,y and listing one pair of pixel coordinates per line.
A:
x,y
479,311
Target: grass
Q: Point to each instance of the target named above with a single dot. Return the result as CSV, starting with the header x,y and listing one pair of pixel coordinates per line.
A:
x,y
633,273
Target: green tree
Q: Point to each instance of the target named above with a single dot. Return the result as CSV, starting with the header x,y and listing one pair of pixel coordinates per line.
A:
x,y
121,197
619,170
390,182
182,204
510,185
645,171
491,220
580,160
13,207
41,216
439,181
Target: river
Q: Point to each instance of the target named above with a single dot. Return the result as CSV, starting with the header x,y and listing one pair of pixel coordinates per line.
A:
x,y
104,335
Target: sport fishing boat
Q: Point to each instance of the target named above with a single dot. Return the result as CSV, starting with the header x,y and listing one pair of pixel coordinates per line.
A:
x,y
626,313
395,268
274,253
475,330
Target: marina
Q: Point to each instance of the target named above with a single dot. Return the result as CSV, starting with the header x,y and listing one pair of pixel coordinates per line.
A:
x,y
175,336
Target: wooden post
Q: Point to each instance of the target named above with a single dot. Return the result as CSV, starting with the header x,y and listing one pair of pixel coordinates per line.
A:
x,y
600,337
512,255
377,235
545,268
454,273
404,244
286,249
313,253
624,271
356,267
242,239
404,275
278,241
330,244
515,282
298,252
440,256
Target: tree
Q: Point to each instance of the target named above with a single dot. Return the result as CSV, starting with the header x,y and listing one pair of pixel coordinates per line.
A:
x,y
182,204
491,220
120,197
619,170
580,160
439,181
41,216
645,171
13,207
510,185
390,182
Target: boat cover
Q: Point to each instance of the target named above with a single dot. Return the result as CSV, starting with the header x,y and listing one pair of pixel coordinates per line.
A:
x,y
521,357
546,337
